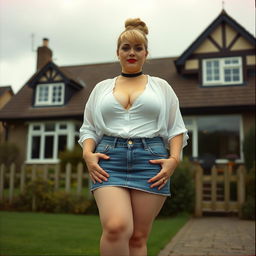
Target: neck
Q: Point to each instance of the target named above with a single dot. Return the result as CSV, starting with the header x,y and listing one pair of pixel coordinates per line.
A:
x,y
131,74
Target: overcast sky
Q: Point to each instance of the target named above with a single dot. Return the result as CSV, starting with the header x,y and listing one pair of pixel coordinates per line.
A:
x,y
85,31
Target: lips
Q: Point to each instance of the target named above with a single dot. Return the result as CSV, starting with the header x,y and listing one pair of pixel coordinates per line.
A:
x,y
131,60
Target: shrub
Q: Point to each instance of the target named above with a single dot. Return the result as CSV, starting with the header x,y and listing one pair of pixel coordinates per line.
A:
x,y
73,156
249,149
39,195
182,191
248,208
9,153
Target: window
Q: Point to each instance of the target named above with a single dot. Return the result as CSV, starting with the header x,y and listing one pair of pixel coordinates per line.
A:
x,y
49,94
222,71
46,140
219,136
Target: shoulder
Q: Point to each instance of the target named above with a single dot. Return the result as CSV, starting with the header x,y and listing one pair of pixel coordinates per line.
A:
x,y
105,83
161,83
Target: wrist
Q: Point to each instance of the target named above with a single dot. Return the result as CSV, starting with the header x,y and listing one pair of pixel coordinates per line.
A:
x,y
87,154
175,158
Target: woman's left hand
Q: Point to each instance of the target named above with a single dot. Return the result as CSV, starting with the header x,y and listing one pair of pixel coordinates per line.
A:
x,y
168,167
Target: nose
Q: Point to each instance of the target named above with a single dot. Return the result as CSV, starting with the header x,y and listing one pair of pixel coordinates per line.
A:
x,y
131,53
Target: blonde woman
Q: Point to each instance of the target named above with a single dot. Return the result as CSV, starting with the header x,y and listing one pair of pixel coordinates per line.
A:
x,y
130,122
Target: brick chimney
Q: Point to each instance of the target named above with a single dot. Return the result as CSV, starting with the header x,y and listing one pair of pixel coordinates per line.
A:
x,y
44,54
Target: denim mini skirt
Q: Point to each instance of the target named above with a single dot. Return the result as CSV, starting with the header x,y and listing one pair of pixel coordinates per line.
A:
x,y
129,166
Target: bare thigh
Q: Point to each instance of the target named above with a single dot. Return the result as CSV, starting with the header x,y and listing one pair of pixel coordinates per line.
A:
x,y
114,204
145,207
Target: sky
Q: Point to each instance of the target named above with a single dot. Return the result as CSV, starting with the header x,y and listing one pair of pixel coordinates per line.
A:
x,y
85,31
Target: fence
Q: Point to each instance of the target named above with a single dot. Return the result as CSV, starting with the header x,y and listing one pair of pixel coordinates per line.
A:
x,y
213,191
25,174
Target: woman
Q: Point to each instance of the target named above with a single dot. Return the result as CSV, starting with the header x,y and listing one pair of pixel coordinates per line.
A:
x,y
129,121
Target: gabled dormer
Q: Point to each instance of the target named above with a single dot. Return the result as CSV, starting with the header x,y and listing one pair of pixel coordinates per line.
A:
x,y
51,86
223,55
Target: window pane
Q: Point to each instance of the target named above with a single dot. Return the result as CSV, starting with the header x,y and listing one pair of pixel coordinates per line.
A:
x,y
48,147
35,151
63,126
187,151
57,94
49,127
62,144
77,127
219,136
43,94
36,127
212,70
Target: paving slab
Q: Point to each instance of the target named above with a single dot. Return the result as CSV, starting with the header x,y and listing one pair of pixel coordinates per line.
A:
x,y
213,236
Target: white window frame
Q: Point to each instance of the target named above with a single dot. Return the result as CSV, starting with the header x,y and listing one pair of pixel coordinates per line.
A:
x,y
70,132
50,94
222,67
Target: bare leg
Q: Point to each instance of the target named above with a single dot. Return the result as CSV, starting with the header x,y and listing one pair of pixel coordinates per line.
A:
x,y
145,207
114,204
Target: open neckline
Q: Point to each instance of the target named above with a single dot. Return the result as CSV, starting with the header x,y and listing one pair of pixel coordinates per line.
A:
x,y
134,102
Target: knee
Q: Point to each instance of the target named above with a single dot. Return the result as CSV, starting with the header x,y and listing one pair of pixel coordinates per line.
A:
x,y
117,229
138,239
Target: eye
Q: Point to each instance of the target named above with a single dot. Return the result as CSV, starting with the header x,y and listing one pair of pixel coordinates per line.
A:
x,y
139,48
125,48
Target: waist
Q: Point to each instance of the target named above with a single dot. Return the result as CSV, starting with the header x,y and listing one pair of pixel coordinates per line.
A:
x,y
123,142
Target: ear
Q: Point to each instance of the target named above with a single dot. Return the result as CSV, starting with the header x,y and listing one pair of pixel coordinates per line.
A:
x,y
146,55
117,53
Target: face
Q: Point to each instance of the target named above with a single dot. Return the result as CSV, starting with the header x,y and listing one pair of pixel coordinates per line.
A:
x,y
131,56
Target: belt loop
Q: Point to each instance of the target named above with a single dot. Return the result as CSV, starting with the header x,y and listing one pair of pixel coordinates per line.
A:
x,y
144,143
115,141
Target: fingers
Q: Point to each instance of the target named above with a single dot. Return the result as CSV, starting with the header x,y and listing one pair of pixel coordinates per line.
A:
x,y
160,182
97,174
100,155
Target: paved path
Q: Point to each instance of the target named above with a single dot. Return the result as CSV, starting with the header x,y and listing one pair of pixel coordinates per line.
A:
x,y
213,236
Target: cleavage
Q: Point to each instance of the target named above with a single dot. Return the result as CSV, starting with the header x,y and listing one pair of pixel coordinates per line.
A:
x,y
126,99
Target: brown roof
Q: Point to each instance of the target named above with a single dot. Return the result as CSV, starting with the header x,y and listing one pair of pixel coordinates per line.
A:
x,y
4,89
190,93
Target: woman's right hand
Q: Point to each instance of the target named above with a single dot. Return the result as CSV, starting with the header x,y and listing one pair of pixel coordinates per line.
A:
x,y
97,174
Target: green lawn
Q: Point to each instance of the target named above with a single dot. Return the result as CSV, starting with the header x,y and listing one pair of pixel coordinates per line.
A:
x,y
34,234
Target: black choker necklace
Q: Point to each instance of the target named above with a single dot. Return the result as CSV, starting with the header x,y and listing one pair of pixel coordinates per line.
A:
x,y
131,75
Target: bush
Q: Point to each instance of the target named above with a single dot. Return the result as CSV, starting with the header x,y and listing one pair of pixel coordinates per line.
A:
x,y
39,195
248,208
73,156
249,149
9,153
182,191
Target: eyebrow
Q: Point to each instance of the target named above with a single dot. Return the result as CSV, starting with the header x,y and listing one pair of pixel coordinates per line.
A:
x,y
134,45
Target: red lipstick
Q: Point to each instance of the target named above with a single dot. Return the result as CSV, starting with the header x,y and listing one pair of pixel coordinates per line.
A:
x,y
131,60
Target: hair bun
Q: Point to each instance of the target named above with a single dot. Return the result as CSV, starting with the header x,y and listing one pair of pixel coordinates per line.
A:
x,y
136,23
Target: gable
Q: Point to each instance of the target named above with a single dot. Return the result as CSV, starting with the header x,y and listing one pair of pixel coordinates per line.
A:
x,y
223,38
51,73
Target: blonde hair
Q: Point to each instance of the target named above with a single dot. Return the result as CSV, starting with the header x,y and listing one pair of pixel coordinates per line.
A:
x,y
135,31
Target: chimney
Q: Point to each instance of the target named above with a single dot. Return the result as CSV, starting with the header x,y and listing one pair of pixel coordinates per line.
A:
x,y
44,54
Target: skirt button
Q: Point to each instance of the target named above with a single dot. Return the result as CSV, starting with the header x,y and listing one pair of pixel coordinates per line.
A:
x,y
130,142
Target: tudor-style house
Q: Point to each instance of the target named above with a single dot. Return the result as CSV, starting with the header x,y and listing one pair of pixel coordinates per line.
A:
x,y
214,79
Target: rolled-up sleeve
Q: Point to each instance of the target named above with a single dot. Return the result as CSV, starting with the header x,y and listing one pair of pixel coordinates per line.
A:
x,y
176,124
88,129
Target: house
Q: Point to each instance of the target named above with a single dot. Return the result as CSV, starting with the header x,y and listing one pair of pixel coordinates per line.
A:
x,y
6,94
214,79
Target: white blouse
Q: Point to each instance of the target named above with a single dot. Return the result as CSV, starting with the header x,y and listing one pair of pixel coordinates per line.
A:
x,y
155,112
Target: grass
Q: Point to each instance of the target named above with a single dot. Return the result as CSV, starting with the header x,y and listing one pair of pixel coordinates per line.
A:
x,y
34,234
